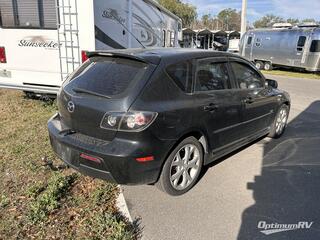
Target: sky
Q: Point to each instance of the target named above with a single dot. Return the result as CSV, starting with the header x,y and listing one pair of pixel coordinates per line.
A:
x,y
257,8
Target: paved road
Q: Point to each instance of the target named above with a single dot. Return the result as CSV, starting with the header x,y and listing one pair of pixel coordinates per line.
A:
x,y
276,181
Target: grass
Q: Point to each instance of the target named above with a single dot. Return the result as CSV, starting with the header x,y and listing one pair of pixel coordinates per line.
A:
x,y
46,198
295,74
39,200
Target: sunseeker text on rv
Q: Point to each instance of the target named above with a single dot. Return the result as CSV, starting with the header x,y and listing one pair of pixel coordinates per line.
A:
x,y
50,44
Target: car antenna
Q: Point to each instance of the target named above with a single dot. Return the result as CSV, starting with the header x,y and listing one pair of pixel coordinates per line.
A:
x,y
116,18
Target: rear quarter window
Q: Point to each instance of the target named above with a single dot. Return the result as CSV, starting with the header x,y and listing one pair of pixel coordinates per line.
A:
x,y
181,74
108,76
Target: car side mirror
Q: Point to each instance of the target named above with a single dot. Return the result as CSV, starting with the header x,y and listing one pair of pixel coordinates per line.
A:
x,y
272,83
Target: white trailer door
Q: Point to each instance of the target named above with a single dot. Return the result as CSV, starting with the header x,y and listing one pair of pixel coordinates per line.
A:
x,y
29,35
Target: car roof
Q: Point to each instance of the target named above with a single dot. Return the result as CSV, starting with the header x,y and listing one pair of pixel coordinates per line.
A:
x,y
155,55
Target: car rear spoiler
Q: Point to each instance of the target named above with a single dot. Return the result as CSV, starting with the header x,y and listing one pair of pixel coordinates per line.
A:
x,y
153,59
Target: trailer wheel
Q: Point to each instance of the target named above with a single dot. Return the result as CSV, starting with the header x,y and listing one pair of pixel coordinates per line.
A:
x,y
29,95
259,65
268,66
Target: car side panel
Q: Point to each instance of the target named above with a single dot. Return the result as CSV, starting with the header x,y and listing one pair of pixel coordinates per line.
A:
x,y
222,125
258,105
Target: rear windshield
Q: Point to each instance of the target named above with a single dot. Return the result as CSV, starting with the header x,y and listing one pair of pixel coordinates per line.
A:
x,y
108,76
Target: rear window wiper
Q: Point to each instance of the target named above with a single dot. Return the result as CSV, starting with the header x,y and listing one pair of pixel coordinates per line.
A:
x,y
81,90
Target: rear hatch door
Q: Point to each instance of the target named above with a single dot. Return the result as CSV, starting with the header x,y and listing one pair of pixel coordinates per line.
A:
x,y
101,85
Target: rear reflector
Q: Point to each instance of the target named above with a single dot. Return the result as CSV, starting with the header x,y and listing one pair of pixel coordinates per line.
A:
x,y
3,58
145,159
90,158
84,56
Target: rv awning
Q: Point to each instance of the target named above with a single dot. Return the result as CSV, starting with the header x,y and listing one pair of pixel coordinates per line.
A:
x,y
233,34
219,33
188,31
204,32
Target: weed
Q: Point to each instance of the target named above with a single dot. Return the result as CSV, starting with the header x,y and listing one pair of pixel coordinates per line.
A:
x,y
35,190
4,201
104,193
48,200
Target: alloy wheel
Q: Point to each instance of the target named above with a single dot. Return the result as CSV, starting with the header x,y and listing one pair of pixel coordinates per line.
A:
x,y
185,167
281,121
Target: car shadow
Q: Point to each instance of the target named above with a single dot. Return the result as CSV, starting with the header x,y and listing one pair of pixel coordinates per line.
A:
x,y
288,189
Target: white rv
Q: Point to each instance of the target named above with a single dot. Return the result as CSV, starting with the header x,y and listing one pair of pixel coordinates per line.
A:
x,y
42,41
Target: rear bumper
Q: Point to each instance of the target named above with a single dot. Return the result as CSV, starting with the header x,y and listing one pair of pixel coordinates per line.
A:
x,y
30,80
117,157
32,88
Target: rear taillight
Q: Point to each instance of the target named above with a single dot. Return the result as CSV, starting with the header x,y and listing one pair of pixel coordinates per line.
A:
x,y
3,58
84,56
128,121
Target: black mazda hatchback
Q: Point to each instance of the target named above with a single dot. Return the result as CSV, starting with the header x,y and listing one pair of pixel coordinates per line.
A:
x,y
159,115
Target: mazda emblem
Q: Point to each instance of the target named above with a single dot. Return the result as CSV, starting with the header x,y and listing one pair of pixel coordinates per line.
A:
x,y
71,107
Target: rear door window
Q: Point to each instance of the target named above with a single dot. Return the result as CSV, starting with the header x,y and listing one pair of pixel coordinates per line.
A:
x,y
315,46
108,76
211,76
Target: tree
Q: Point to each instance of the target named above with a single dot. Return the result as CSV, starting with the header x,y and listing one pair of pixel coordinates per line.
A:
x,y
231,19
206,20
187,12
268,21
308,20
293,21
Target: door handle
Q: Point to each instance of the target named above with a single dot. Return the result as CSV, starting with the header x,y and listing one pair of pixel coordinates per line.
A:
x,y
249,100
211,107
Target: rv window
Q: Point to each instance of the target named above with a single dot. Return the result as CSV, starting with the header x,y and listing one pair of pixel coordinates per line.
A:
x,y
108,76
246,76
315,46
172,38
179,27
39,14
258,42
302,41
164,36
249,41
181,74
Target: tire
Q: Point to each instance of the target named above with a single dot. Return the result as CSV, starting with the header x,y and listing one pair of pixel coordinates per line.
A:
x,y
268,66
276,129
29,95
177,176
259,65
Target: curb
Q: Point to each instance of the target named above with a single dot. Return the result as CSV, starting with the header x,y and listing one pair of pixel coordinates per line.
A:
x,y
122,205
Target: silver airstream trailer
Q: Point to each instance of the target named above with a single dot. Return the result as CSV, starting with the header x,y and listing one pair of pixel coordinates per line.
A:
x,y
296,47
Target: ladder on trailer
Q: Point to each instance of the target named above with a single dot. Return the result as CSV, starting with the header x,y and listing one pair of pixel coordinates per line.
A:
x,y
68,36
